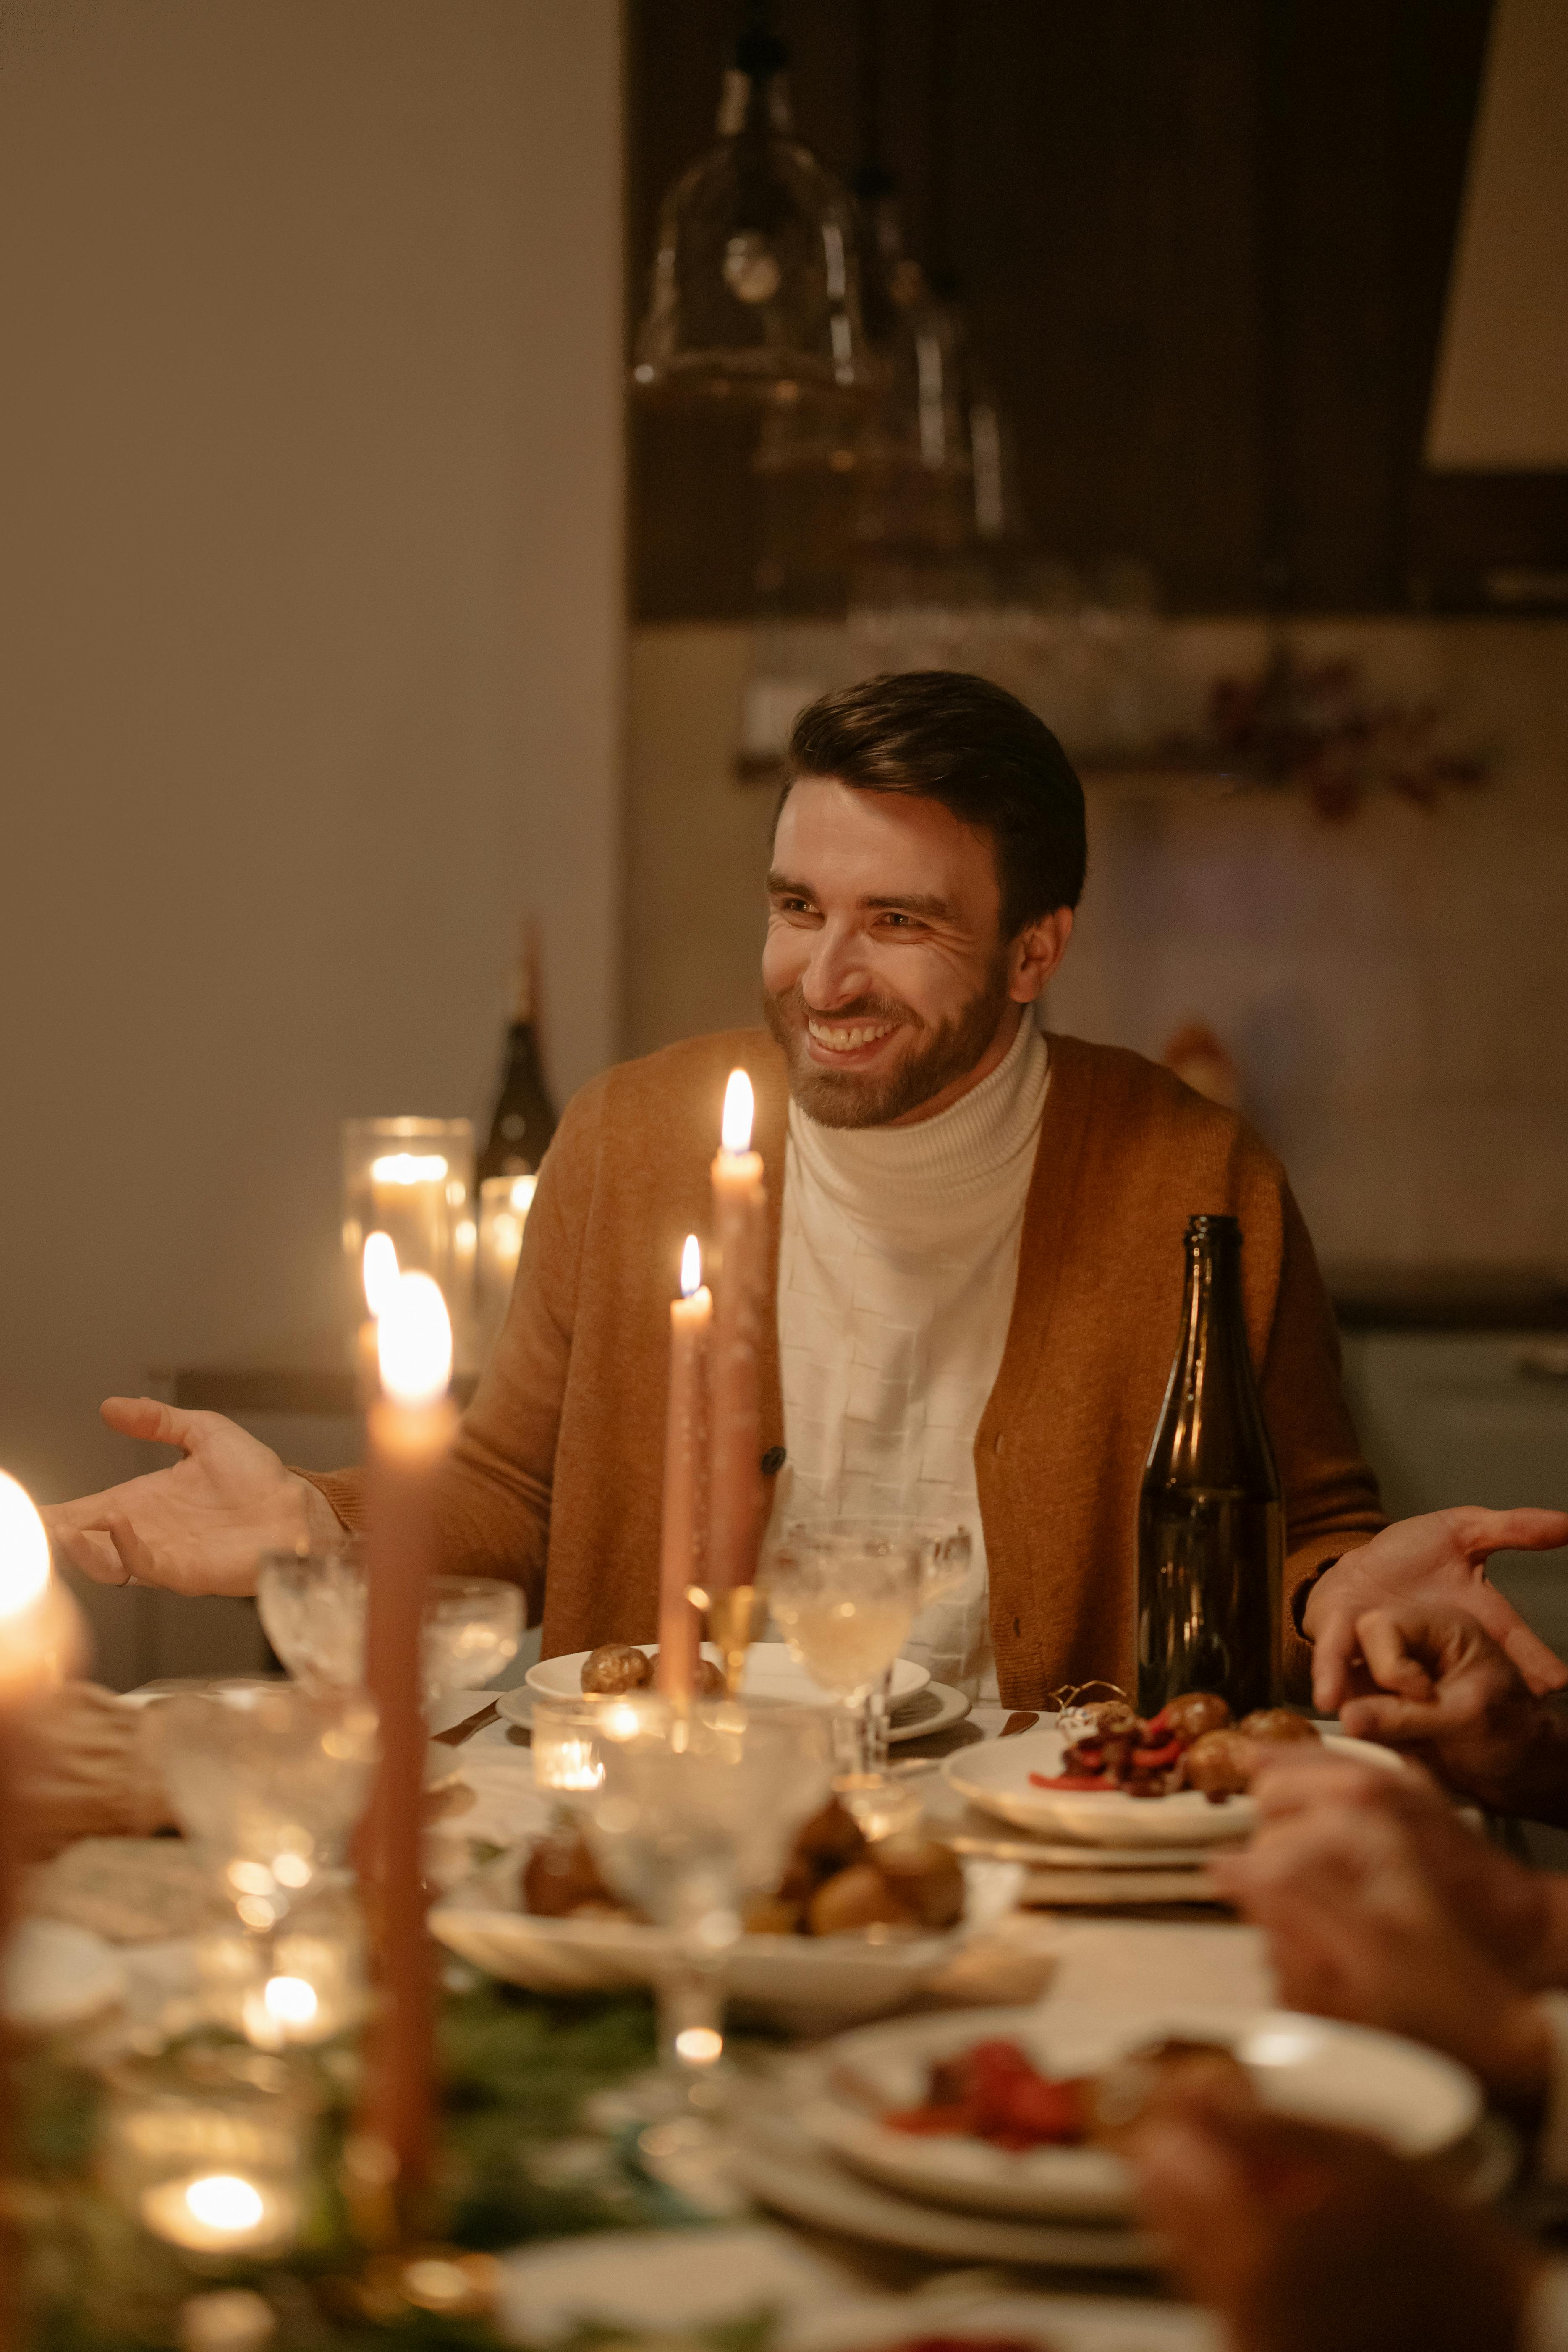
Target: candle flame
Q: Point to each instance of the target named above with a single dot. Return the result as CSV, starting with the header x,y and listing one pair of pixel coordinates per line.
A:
x,y
408,1168
735,1128
289,2000
379,1271
222,2200
692,1267
24,1549
414,1342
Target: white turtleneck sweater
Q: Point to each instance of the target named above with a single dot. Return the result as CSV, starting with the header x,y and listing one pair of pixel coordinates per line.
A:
x,y
898,1262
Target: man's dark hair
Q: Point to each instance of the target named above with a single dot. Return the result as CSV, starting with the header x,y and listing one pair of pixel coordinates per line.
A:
x,y
945,736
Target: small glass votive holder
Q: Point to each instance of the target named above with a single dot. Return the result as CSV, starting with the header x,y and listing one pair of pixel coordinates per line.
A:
x,y
504,1204
565,1733
411,1178
302,1985
208,2150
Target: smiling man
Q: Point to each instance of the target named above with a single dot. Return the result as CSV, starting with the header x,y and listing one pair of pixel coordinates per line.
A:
x,y
977,1239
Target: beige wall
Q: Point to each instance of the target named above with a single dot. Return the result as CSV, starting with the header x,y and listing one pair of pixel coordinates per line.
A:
x,y
1392,988
312,636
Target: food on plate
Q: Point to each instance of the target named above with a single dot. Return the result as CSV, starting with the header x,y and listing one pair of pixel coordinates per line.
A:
x,y
614,1667
561,1881
994,2091
926,1876
834,1883
1221,1764
1192,1743
1196,1712
854,1899
1124,2092
617,1667
1276,1726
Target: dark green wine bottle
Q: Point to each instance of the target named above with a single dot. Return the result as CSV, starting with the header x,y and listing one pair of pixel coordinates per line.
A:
x,y
524,1117
1211,1524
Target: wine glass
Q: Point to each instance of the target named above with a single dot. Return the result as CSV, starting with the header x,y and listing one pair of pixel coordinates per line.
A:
x,y
313,1604
845,1594
269,1779
698,1807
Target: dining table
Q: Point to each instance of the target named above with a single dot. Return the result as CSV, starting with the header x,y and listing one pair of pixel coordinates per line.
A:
x,y
586,2234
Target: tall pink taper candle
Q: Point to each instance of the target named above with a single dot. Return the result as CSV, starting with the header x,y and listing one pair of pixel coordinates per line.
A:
x,y
685,1478
411,1426
734,1522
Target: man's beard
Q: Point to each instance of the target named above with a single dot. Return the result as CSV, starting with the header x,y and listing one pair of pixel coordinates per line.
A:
x,y
855,1098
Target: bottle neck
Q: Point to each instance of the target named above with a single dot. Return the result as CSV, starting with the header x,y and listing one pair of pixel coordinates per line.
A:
x,y
755,101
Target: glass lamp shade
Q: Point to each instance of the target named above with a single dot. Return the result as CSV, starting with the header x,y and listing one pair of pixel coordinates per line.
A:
x,y
755,293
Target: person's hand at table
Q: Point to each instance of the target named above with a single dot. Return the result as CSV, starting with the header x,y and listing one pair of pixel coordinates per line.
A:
x,y
1301,2239
1431,1683
199,1525
1518,1915
1356,1929
1438,1559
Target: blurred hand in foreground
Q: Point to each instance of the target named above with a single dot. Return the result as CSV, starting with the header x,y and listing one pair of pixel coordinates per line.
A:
x,y
1302,2239
1518,1917
1359,1927
1439,1560
201,1525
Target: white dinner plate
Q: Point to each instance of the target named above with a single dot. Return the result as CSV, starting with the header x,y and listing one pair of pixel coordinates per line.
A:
x,y
1052,2323
935,1709
54,1975
1415,2101
995,1776
771,1673
786,2167
805,1976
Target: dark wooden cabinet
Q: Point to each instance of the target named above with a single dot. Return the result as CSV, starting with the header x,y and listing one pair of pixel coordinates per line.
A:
x,y
1204,245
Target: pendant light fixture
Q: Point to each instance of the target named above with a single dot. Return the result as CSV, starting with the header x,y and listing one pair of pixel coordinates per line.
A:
x,y
754,292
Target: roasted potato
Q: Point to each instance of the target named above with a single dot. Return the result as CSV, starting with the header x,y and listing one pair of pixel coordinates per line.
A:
x,y
1275,1727
1221,1764
855,1898
1196,1712
614,1667
926,1877
560,1877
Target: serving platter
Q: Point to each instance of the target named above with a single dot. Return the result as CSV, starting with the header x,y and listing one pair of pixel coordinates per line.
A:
x,y
809,1977
1418,2101
771,1673
997,1777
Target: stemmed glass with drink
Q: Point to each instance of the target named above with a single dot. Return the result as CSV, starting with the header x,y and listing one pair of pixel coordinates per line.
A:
x,y
845,1594
697,1808
313,1608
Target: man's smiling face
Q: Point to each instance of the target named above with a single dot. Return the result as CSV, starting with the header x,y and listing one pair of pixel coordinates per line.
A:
x,y
885,976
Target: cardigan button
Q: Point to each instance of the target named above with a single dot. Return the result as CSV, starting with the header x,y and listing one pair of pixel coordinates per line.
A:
x,y
773,1462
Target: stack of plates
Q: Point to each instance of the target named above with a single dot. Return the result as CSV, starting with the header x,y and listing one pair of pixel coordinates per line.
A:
x,y
920,1707
824,2155
1097,1847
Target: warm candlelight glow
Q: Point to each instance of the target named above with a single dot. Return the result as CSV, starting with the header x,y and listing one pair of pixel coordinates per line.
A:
x,y
220,2212
735,1128
24,1549
289,2000
414,1342
379,1271
690,1267
408,1168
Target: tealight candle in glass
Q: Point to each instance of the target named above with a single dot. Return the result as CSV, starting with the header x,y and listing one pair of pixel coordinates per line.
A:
x,y
504,1204
412,1179
208,2150
565,1736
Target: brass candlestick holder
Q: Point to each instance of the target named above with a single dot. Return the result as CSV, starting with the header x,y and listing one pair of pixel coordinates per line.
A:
x,y
734,1620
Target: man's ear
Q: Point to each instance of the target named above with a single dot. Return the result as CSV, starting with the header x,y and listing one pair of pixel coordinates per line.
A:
x,y
1036,953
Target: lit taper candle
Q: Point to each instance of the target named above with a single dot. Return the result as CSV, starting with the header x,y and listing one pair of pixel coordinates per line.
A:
x,y
740,1223
685,1478
411,1426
